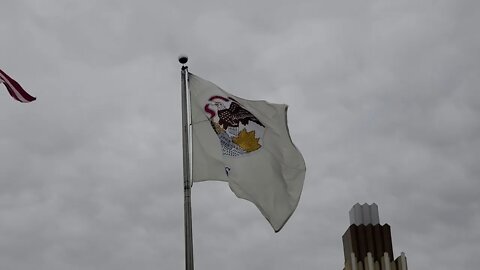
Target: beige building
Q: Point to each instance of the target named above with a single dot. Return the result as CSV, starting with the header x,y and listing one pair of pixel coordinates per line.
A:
x,y
367,245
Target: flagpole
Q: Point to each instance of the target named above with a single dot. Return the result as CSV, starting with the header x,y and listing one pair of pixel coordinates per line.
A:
x,y
187,206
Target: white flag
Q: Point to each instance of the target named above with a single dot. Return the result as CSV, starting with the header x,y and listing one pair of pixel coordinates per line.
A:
x,y
247,144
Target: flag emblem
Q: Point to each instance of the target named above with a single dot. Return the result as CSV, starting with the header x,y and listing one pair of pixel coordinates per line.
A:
x,y
238,130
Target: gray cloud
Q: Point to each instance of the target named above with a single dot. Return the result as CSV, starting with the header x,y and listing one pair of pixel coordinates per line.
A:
x,y
383,105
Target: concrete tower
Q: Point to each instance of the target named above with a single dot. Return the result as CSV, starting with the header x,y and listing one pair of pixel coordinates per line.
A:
x,y
367,245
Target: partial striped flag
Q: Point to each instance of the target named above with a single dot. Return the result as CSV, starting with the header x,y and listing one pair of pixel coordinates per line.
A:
x,y
14,88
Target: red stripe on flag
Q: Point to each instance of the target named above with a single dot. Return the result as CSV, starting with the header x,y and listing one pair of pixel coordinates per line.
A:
x,y
15,89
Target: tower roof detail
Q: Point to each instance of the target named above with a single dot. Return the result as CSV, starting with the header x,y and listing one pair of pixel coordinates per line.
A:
x,y
364,214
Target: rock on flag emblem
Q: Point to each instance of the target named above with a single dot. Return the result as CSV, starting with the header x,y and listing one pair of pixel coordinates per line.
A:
x,y
238,130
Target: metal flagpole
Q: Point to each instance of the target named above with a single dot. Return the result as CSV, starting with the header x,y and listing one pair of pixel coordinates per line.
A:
x,y
187,210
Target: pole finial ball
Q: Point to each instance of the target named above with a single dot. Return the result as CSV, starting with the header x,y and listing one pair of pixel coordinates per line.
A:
x,y
183,59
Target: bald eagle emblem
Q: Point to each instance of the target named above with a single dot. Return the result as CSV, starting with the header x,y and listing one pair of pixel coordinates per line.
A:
x,y
238,130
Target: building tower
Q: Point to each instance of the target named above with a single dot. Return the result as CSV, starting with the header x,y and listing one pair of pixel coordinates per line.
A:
x,y
367,245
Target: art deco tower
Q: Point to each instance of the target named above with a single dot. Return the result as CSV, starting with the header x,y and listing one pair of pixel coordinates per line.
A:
x,y
367,245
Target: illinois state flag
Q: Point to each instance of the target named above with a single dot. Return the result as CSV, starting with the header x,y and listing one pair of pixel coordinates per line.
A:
x,y
247,144
14,88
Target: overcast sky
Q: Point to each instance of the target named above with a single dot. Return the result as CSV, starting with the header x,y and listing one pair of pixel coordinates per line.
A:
x,y
384,104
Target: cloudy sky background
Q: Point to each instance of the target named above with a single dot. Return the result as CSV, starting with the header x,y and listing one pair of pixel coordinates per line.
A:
x,y
384,105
